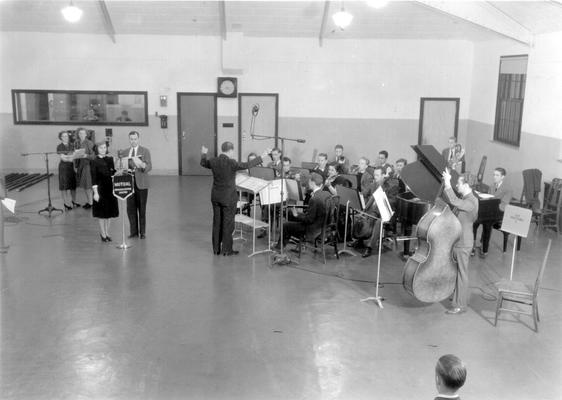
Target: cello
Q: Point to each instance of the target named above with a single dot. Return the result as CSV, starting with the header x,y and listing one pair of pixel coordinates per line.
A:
x,y
430,274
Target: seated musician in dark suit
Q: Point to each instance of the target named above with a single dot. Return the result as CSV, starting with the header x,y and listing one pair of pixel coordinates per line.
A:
x,y
322,167
288,173
333,179
341,159
391,190
383,160
450,376
308,223
501,191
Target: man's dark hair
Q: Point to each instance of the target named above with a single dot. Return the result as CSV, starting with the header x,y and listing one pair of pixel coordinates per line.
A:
x,y
402,160
378,167
338,146
227,146
316,178
452,371
276,149
384,153
501,170
323,155
134,133
286,159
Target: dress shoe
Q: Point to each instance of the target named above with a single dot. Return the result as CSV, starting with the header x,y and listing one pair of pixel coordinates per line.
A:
x,y
103,238
473,251
456,310
75,204
142,236
367,253
87,206
132,236
108,239
67,207
483,254
231,253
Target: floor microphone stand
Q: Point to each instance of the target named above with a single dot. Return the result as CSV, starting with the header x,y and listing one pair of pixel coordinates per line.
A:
x,y
281,258
49,209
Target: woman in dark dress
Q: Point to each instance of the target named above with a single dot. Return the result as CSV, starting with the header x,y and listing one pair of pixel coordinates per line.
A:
x,y
83,174
67,177
105,203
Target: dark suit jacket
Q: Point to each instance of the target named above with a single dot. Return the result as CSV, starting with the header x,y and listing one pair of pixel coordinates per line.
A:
x,y
503,193
224,176
141,174
313,217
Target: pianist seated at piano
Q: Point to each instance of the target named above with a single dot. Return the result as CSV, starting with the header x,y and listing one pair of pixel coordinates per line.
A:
x,y
492,206
400,163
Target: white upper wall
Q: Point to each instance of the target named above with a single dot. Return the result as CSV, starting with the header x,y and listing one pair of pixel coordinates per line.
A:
x,y
543,94
343,79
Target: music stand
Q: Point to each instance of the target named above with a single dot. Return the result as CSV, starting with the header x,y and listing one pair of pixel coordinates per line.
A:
x,y
49,209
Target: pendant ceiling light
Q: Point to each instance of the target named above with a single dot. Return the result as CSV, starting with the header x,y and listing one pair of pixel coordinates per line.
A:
x,y
71,13
342,18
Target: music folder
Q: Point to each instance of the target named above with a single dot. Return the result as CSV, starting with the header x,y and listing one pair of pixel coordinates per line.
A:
x,y
272,193
383,204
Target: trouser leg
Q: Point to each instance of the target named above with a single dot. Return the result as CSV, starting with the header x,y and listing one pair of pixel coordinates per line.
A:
x,y
143,197
460,298
229,212
375,236
132,214
217,218
486,234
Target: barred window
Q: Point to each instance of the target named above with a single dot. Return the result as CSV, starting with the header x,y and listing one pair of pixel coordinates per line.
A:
x,y
511,94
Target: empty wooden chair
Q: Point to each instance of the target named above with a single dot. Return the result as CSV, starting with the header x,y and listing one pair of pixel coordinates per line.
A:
x,y
549,214
521,293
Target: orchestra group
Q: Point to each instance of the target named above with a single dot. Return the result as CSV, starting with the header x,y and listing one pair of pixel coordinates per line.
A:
x,y
327,175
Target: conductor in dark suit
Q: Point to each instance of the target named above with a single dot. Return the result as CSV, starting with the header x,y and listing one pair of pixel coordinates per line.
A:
x,y
310,222
223,194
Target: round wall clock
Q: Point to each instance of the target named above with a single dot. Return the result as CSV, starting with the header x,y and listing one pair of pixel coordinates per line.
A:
x,y
227,87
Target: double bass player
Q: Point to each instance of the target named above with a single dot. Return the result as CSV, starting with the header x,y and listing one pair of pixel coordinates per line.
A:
x,y
467,208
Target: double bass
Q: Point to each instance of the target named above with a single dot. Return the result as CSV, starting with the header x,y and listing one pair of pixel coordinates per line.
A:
x,y
430,274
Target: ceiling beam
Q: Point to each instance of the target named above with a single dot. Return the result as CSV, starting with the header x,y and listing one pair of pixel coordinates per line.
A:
x,y
485,16
324,21
109,29
222,16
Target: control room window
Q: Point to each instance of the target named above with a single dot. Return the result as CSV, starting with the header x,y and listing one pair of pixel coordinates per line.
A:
x,y
511,94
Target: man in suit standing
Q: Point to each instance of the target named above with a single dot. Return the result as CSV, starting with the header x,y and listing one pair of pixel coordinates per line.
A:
x,y
310,222
467,207
223,194
501,191
448,153
141,164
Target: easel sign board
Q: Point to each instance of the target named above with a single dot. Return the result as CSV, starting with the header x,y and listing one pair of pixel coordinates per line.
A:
x,y
383,204
516,220
123,186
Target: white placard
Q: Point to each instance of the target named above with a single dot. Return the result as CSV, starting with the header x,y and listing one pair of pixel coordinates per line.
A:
x,y
516,220
10,204
383,205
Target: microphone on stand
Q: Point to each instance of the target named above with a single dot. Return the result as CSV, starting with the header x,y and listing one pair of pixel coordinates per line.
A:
x,y
301,141
255,109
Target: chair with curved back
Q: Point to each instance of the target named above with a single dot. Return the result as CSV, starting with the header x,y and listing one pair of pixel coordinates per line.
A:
x,y
549,214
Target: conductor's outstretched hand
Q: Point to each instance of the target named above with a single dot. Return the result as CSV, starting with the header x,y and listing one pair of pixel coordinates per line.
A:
x,y
204,150
265,153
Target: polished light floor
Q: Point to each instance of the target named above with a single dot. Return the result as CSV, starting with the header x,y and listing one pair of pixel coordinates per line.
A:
x,y
167,319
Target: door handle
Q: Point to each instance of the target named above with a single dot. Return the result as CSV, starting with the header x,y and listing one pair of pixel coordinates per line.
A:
x,y
183,134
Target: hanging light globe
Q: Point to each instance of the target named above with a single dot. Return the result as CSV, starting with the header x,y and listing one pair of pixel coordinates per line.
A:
x,y
71,13
342,18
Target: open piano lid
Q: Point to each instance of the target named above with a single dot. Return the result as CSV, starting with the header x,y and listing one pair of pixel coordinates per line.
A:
x,y
423,177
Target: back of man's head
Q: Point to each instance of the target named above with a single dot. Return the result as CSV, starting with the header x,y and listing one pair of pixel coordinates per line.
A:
x,y
316,179
451,372
226,147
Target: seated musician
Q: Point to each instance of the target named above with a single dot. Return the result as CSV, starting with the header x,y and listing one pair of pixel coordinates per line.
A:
x,y
309,222
400,163
322,167
333,179
341,159
275,162
501,191
391,190
364,175
383,160
288,173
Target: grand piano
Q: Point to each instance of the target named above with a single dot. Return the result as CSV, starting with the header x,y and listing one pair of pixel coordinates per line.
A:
x,y
423,177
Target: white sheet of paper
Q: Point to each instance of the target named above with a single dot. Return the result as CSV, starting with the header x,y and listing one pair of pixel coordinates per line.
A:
x,y
383,204
10,204
516,220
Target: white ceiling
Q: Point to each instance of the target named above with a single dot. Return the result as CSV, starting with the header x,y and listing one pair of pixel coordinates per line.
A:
x,y
398,20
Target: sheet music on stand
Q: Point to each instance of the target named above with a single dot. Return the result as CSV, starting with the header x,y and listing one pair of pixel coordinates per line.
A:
x,y
272,194
254,185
